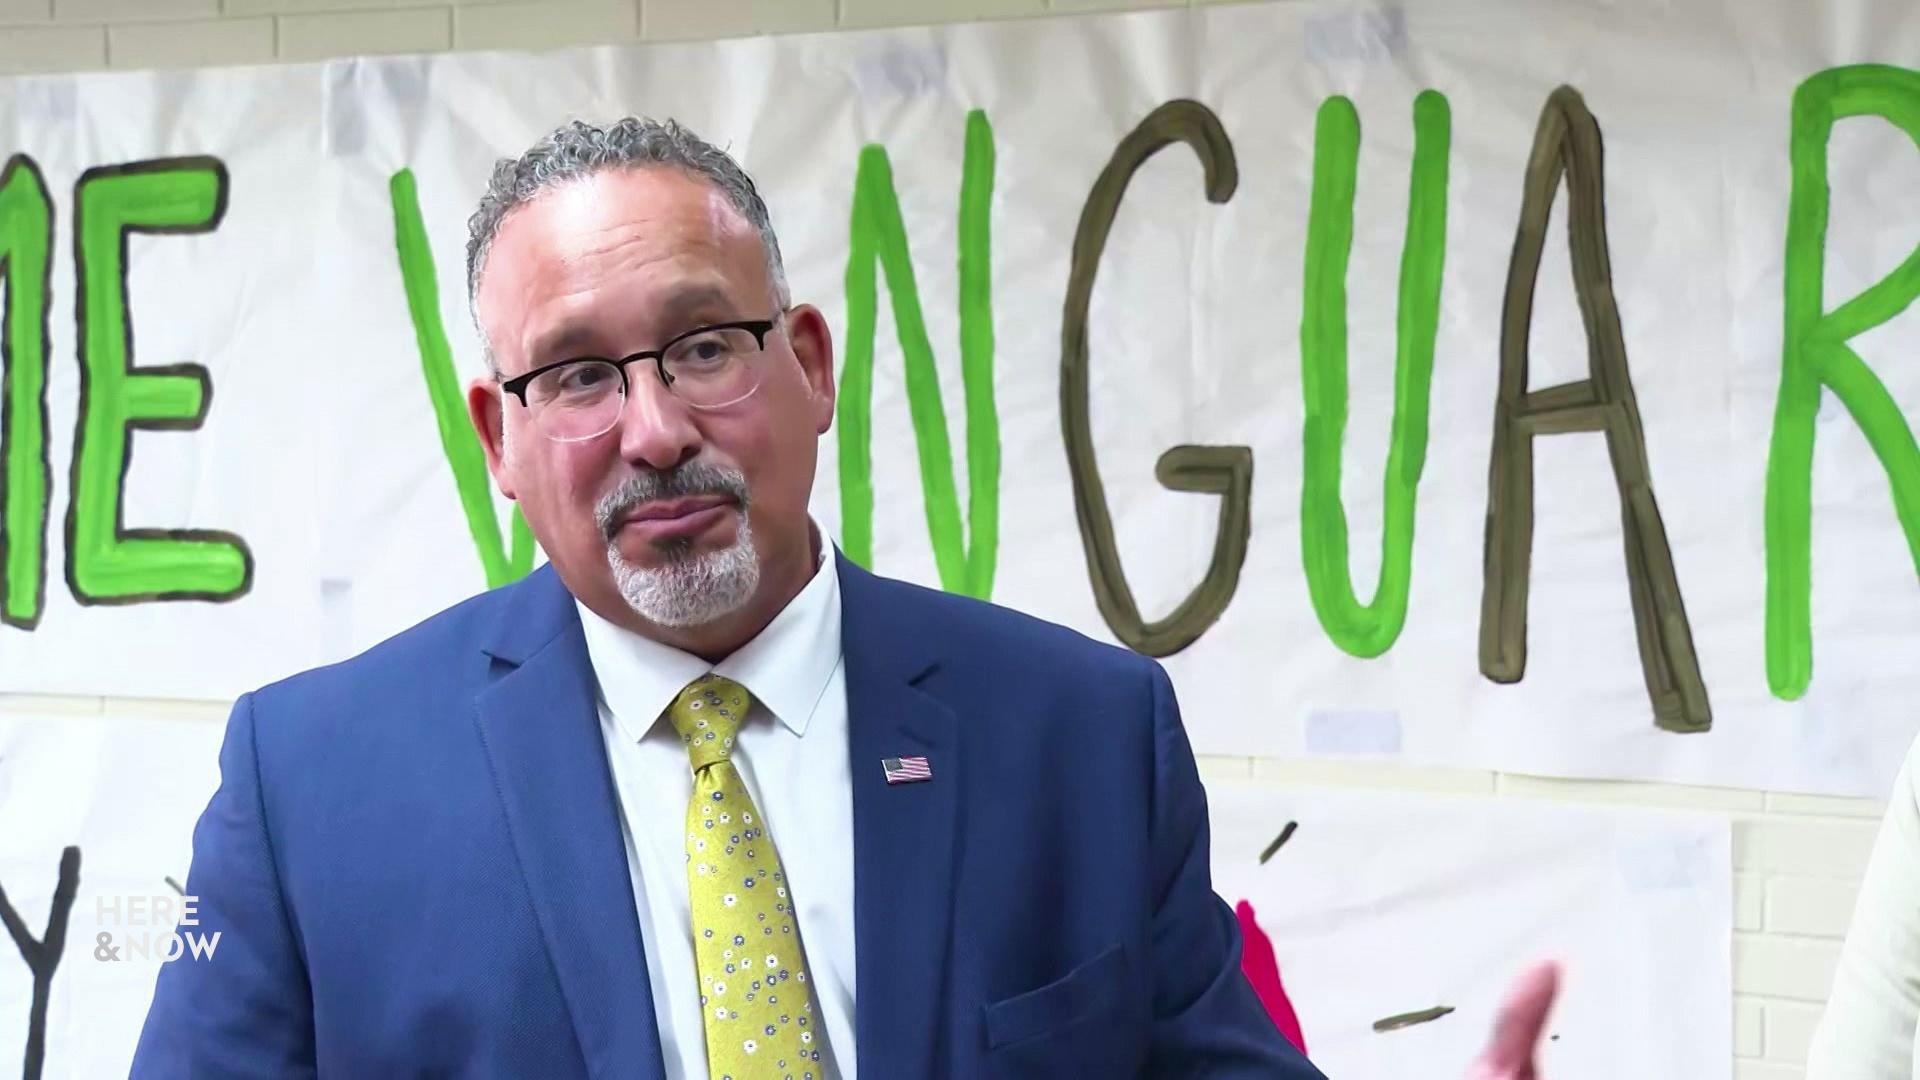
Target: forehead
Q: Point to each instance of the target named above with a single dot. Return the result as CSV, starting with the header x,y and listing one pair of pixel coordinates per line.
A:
x,y
595,257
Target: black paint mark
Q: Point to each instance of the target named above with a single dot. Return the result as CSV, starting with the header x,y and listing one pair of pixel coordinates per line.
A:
x,y
1403,1020
1285,835
176,885
43,956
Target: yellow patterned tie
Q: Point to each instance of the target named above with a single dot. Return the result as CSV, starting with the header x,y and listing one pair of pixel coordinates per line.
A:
x,y
754,998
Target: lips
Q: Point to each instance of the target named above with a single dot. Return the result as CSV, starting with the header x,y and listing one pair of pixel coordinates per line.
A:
x,y
665,520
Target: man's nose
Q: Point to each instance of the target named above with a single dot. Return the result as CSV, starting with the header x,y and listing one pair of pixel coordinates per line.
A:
x,y
656,428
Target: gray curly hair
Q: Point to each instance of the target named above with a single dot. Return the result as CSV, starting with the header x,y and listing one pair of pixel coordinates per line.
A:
x,y
577,150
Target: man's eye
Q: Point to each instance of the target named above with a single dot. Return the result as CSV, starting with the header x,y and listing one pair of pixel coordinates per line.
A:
x,y
704,350
576,381
583,377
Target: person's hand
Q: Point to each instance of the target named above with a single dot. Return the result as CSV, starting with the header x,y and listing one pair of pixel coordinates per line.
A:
x,y
1516,1031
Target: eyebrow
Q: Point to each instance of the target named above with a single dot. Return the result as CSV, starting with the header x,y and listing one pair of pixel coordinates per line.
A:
x,y
685,301
681,305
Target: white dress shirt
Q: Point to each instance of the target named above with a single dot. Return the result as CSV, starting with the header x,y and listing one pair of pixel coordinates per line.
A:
x,y
1868,1029
791,753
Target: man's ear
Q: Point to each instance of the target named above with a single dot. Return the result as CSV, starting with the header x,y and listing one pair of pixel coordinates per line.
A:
x,y
812,342
484,402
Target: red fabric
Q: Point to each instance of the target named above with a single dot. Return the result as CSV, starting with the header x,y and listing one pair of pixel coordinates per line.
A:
x,y
1263,971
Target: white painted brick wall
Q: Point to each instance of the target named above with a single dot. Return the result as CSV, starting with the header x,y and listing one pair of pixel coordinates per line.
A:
x,y
191,43
322,7
1780,966
1783,845
133,10
680,20
1749,1027
1748,1069
1789,1031
1819,907
20,11
861,13
1749,901
27,49
545,25
318,36
1105,5
1797,858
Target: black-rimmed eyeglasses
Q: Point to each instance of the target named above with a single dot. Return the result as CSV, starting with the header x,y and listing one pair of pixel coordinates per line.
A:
x,y
710,367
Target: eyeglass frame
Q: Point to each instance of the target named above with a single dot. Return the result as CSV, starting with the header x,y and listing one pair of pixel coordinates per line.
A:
x,y
759,328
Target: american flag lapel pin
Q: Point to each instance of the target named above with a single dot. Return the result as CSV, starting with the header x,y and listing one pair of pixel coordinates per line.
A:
x,y
906,770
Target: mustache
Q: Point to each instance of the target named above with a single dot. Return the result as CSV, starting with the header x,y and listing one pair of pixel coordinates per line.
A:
x,y
685,481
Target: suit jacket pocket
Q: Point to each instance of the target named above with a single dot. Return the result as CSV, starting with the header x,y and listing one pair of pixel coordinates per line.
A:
x,y
1094,988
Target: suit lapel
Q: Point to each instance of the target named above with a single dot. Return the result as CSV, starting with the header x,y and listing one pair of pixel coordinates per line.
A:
x,y
539,725
903,835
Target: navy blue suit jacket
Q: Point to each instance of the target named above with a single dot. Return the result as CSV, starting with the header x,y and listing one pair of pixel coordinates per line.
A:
x,y
415,862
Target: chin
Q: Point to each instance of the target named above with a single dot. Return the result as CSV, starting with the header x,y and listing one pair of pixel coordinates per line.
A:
x,y
688,583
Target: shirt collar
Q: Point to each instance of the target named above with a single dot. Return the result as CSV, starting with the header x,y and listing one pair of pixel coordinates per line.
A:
x,y
785,667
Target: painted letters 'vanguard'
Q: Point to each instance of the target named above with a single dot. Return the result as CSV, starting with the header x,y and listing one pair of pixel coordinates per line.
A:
x,y
1566,147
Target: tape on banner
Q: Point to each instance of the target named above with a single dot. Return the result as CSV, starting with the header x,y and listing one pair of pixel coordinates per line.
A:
x,y
1353,731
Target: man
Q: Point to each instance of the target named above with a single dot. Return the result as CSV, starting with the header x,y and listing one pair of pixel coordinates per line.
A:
x,y
699,798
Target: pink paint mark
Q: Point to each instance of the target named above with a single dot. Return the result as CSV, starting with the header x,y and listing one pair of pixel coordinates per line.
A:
x,y
1257,959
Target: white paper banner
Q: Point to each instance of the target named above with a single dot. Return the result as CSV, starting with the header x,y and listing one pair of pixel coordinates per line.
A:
x,y
1391,908
319,447
104,806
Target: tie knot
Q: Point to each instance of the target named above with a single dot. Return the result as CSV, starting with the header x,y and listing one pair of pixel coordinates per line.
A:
x,y
707,714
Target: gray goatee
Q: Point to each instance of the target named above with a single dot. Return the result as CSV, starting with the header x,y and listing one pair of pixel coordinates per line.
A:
x,y
689,588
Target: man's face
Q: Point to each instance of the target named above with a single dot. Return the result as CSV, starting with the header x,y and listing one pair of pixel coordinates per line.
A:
x,y
679,514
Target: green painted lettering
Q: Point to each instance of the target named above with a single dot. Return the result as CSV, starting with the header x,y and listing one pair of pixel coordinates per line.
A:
x,y
878,235
457,439
26,244
1367,629
1815,355
108,563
